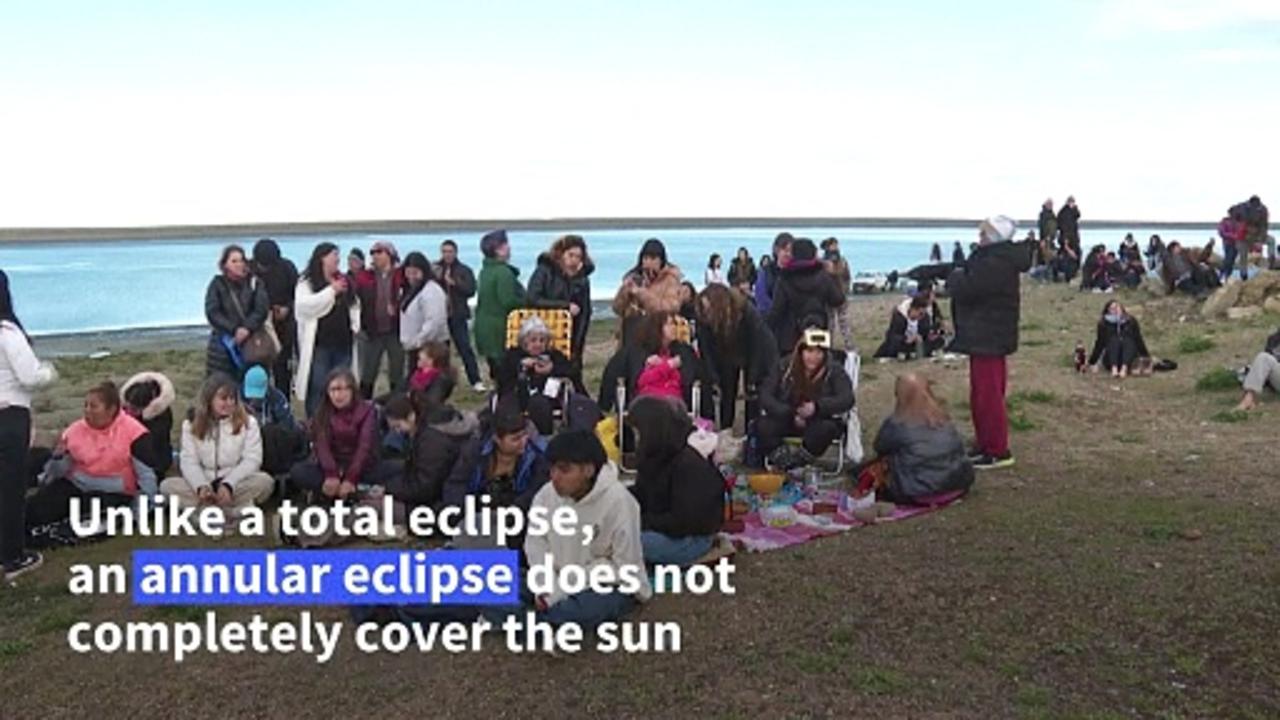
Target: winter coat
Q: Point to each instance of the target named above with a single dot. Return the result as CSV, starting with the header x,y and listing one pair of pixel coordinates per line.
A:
x,y
366,288
1048,224
629,362
225,317
120,453
843,275
433,456
271,410
511,377
680,495
279,276
499,293
923,460
1127,330
835,396
463,288
985,299
468,475
764,286
309,307
350,447
613,512
895,338
804,296
21,372
742,273
426,318
550,288
754,349
157,418
222,455
1069,226
661,294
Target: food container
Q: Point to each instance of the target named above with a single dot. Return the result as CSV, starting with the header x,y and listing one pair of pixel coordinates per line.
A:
x,y
766,483
778,516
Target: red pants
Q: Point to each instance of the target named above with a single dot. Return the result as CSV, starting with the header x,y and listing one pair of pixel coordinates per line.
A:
x,y
988,377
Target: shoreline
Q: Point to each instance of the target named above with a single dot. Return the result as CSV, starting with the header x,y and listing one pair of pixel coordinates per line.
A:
x,y
54,235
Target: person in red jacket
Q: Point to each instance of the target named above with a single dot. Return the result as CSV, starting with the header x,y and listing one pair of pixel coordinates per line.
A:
x,y
379,287
344,441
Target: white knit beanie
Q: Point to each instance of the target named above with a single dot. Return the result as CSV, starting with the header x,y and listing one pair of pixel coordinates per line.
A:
x,y
998,228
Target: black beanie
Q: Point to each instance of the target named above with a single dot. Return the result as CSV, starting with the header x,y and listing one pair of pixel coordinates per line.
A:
x,y
803,249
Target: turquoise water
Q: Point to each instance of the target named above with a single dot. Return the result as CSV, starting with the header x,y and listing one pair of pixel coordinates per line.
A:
x,y
81,287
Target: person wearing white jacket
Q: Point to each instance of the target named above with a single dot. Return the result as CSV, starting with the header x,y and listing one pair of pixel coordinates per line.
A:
x,y
326,338
582,478
20,374
221,457
424,310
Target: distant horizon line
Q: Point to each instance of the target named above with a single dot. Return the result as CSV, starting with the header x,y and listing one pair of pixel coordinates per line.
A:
x,y
23,235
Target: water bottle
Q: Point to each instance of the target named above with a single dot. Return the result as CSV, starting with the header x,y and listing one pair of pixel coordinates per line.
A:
x,y
1081,358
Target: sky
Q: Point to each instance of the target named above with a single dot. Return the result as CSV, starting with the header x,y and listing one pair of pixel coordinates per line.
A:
x,y
241,111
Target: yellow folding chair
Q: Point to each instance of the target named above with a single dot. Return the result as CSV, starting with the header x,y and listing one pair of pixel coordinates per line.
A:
x,y
559,322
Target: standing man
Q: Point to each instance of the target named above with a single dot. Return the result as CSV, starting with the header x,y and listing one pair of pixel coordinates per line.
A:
x,y
837,265
1069,227
460,283
769,273
379,288
985,305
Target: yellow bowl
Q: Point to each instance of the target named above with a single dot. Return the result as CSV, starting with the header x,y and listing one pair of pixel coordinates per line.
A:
x,y
766,483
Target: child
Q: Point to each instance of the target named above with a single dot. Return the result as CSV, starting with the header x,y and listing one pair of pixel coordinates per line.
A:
x,y
582,478
433,361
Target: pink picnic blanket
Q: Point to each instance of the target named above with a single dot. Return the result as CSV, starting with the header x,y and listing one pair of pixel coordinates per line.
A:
x,y
758,537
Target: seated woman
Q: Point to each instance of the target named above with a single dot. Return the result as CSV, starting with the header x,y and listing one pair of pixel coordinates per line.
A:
x,y
1263,371
806,395
344,443
438,432
283,442
106,453
506,463
1096,273
148,397
681,494
1119,344
654,362
921,446
911,333
1185,270
221,458
735,343
527,371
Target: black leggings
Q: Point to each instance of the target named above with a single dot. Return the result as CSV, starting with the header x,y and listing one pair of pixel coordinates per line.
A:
x,y
52,502
15,436
1120,352
818,433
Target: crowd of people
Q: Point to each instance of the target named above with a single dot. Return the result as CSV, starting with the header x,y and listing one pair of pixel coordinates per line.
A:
x,y
775,335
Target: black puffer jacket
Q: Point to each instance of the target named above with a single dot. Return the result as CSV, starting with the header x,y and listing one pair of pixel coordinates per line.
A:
x,y
680,495
435,451
1048,224
629,362
836,395
986,299
225,316
804,296
754,349
923,460
549,287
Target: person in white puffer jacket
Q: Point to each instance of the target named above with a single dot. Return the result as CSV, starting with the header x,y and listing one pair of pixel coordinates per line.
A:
x,y
221,456
424,309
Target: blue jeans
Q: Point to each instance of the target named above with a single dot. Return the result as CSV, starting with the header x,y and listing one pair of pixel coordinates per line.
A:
x,y
461,335
324,360
662,549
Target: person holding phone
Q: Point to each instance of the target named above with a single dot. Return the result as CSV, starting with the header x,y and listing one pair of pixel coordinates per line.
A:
x,y
527,370
328,316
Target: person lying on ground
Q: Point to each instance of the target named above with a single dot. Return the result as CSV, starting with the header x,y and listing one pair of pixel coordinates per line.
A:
x,y
806,395
681,493
438,434
221,459
1263,371
530,373
344,444
921,446
148,397
911,333
1119,344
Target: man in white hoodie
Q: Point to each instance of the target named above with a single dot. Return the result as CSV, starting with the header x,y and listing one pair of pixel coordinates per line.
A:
x,y
582,478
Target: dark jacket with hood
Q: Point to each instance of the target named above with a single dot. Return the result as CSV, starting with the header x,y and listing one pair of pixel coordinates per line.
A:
x,y
986,299
754,349
1048,223
629,362
835,398
1127,330
742,273
1069,224
511,377
463,288
680,495
923,460
280,278
468,475
437,445
804,296
549,287
225,315
157,418
895,338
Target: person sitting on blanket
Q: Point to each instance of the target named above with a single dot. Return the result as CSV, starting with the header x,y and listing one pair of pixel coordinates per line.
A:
x,y
911,333
527,371
653,362
922,448
1263,371
681,493
438,436
806,394
583,479
148,397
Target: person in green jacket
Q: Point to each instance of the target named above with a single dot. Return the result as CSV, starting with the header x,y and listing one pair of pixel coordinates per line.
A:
x,y
499,292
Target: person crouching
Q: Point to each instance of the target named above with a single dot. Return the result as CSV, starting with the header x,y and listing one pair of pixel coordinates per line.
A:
x,y
805,395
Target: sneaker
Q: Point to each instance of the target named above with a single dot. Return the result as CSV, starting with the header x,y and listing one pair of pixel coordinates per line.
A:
x,y
480,388
991,462
29,560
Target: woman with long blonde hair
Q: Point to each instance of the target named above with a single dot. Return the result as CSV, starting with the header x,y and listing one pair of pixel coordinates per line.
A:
x,y
924,451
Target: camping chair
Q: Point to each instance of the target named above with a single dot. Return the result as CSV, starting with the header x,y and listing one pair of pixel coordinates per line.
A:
x,y
684,334
560,324
849,444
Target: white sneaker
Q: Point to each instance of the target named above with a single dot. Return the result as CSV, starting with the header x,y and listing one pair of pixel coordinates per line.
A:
x,y
480,387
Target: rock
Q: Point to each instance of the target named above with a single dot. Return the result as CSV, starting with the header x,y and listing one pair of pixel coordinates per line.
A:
x,y
1262,286
1272,305
1155,286
1221,299
1192,534
1244,312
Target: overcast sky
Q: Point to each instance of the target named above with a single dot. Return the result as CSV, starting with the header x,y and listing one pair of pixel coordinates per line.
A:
x,y
135,113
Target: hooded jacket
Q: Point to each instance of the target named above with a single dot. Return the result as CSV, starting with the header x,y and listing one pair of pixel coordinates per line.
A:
x,y
1126,330
836,395
659,294
549,287
923,460
425,318
803,296
349,449
463,288
680,495
157,418
614,513
755,349
986,299
437,446
222,455
895,338
467,477
1069,223
500,292
277,274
